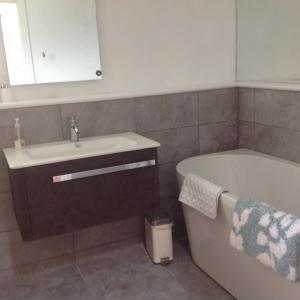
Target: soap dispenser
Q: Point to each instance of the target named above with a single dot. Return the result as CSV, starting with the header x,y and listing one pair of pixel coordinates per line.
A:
x,y
19,142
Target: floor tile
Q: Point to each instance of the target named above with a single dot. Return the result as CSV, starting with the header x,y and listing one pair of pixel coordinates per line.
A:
x,y
118,271
59,281
196,282
126,272
14,252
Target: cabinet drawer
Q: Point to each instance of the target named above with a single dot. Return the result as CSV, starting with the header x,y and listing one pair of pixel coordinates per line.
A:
x,y
56,208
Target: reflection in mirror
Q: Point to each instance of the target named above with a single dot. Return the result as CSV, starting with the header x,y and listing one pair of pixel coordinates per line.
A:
x,y
269,40
50,40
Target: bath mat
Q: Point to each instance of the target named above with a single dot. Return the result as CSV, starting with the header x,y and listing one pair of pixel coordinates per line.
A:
x,y
201,194
269,235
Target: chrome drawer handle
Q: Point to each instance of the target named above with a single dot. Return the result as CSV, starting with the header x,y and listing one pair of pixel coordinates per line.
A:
x,y
102,171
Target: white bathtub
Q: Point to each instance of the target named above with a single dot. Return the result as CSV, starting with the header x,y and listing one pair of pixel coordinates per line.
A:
x,y
242,173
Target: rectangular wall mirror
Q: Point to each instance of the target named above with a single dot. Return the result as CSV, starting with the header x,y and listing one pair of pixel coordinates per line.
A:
x,y
269,40
50,40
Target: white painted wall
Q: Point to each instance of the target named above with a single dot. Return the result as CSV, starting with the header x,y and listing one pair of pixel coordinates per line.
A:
x,y
268,40
154,46
3,66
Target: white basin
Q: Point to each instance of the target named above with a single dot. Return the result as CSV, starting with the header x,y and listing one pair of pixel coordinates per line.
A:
x,y
63,151
95,146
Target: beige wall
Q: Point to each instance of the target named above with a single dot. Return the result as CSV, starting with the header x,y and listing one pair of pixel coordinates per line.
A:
x,y
268,43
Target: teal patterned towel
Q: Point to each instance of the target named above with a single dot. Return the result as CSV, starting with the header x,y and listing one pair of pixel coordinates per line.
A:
x,y
269,235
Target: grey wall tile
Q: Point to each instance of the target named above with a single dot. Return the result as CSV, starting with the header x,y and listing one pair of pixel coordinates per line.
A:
x,y
277,141
218,105
14,252
295,119
246,135
277,108
176,144
165,112
218,137
4,177
7,137
6,128
7,117
169,191
99,118
107,233
246,104
7,215
40,124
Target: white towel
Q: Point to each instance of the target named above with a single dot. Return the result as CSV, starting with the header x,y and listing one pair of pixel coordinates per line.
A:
x,y
201,194
268,234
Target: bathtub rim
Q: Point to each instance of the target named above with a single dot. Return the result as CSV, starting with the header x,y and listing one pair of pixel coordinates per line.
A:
x,y
227,198
239,152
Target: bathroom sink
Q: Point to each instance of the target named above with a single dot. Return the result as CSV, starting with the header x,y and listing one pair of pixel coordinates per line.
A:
x,y
88,147
93,146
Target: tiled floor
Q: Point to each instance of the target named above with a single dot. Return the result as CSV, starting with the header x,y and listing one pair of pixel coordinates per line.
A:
x,y
117,271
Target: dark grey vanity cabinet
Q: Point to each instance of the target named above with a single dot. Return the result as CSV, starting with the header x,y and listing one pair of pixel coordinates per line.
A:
x,y
44,207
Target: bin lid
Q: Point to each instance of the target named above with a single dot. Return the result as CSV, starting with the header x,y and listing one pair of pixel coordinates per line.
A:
x,y
158,217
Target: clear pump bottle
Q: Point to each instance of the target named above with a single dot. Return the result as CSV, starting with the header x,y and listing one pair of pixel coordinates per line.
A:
x,y
19,142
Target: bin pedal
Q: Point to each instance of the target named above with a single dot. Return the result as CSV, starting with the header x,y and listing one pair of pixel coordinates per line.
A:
x,y
165,261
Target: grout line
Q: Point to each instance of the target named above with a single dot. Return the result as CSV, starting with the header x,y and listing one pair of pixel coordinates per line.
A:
x,y
198,125
6,192
37,262
254,120
198,108
199,141
83,280
199,137
218,122
61,122
278,127
100,246
135,115
238,118
73,241
248,122
188,126
9,231
73,254
134,237
172,162
168,129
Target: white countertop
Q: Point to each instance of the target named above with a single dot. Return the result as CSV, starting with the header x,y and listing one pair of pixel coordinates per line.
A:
x,y
49,153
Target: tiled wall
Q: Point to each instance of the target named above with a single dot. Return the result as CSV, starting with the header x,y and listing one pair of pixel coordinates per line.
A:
x,y
185,124
269,122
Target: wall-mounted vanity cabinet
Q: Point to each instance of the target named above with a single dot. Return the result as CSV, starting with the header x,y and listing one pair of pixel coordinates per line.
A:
x,y
71,194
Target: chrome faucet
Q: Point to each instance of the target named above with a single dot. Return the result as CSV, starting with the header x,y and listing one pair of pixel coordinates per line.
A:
x,y
74,130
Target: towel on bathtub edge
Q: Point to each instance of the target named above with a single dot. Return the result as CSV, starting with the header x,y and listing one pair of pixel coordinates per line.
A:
x,y
270,235
201,194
